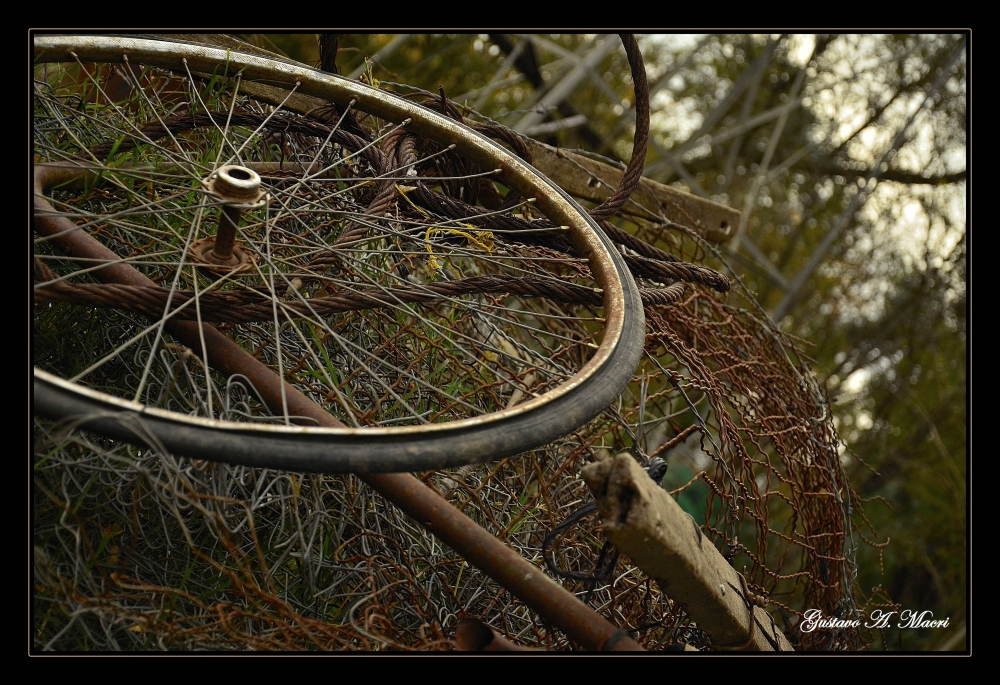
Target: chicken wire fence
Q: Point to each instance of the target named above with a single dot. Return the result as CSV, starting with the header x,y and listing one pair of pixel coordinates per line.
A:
x,y
135,547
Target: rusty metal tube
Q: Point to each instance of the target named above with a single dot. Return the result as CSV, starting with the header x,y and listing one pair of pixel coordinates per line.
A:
x,y
550,600
472,635
225,237
428,508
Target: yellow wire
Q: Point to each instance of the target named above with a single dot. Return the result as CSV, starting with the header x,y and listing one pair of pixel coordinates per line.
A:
x,y
484,241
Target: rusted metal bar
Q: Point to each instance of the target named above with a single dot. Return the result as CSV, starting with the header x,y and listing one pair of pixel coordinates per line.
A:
x,y
226,237
550,600
472,635
645,523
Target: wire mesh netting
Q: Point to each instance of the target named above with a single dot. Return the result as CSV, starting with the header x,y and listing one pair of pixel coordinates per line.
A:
x,y
413,289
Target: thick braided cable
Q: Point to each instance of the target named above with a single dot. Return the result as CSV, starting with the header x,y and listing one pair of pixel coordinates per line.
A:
x,y
633,173
245,306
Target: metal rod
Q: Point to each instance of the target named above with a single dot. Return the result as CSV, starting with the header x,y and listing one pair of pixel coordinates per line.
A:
x,y
225,236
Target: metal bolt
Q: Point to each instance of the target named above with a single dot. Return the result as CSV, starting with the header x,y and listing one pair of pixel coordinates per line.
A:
x,y
239,189
225,237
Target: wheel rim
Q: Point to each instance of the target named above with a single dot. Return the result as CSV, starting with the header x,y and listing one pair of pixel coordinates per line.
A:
x,y
412,345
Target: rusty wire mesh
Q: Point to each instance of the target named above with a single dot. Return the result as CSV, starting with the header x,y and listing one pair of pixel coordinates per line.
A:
x,y
135,548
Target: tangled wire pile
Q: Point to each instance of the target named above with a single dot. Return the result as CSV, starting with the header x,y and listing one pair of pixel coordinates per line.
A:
x,y
137,548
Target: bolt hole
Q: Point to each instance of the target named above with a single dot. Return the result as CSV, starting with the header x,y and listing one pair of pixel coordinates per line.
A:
x,y
241,174
725,224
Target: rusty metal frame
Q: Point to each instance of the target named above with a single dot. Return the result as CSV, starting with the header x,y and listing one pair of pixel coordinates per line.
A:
x,y
530,424
549,600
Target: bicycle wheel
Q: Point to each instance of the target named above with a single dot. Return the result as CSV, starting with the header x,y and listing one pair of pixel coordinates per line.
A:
x,y
194,246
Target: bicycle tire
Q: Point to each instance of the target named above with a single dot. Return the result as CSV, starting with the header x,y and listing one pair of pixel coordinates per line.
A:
x,y
440,441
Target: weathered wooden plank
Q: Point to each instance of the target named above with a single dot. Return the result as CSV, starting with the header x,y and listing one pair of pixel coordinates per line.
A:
x,y
589,179
648,526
